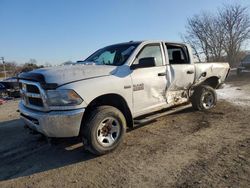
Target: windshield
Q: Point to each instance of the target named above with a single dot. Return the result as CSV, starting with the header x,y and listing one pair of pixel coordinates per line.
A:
x,y
115,55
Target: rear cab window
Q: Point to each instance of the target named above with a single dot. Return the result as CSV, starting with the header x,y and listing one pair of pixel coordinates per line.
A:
x,y
177,54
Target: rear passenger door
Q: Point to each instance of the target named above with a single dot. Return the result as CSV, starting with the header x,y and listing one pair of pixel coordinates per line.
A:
x,y
181,70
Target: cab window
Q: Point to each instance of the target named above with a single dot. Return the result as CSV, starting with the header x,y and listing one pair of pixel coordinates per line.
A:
x,y
177,54
151,51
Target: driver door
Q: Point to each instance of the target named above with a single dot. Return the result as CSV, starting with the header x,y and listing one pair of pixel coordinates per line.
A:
x,y
149,83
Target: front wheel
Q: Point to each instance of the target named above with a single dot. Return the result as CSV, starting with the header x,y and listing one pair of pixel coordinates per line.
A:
x,y
204,98
104,130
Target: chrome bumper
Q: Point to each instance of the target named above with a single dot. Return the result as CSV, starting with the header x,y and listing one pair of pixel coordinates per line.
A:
x,y
54,123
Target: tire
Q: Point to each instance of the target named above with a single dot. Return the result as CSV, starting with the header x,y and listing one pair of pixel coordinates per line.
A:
x,y
204,98
104,130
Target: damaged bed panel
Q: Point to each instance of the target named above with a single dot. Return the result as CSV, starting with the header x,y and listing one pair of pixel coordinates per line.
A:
x,y
205,71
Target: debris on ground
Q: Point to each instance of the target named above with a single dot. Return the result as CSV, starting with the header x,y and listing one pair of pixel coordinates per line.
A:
x,y
2,101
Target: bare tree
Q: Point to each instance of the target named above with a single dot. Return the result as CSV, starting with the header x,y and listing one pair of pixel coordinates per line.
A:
x,y
235,23
194,45
205,36
220,35
31,61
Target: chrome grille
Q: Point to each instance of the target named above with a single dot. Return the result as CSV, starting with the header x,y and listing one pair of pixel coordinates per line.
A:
x,y
32,89
36,101
32,95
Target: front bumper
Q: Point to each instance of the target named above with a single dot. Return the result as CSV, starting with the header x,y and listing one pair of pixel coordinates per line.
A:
x,y
54,123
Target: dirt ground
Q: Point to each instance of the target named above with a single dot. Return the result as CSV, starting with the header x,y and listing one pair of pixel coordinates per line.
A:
x,y
186,149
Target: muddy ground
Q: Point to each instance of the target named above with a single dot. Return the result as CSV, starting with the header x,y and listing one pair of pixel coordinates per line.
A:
x,y
187,149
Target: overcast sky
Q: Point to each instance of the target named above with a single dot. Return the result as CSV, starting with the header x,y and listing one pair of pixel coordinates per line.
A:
x,y
56,31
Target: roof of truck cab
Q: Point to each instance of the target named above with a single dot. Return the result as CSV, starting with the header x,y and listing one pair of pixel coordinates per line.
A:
x,y
148,41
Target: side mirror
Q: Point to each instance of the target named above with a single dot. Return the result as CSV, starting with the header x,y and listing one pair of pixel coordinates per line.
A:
x,y
144,63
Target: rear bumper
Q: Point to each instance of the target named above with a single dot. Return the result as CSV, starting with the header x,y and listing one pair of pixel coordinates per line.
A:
x,y
54,123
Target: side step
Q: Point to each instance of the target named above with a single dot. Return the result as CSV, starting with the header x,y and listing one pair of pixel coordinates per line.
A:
x,y
160,114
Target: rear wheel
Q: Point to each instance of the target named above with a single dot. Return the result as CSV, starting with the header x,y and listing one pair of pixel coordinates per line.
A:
x,y
104,130
204,98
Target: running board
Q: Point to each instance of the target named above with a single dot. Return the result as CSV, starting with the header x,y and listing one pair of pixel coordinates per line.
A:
x,y
158,115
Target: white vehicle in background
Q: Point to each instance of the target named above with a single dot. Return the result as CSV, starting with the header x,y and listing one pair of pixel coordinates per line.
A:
x,y
117,87
244,66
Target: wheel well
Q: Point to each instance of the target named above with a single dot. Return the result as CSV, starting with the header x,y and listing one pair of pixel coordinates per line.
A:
x,y
114,100
212,81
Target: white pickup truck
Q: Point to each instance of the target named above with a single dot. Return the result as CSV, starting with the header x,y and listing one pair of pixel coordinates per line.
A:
x,y
115,88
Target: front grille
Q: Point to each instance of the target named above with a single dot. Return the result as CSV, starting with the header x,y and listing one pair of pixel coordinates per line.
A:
x,y
31,93
36,101
32,89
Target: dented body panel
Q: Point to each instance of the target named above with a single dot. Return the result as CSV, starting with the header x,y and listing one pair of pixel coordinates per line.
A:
x,y
144,90
218,70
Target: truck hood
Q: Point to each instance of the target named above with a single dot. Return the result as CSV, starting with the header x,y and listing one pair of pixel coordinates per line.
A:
x,y
71,73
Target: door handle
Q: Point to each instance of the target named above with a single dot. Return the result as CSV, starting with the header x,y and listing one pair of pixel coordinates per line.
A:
x,y
190,72
162,74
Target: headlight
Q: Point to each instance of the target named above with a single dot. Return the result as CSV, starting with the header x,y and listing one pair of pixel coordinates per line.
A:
x,y
63,97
